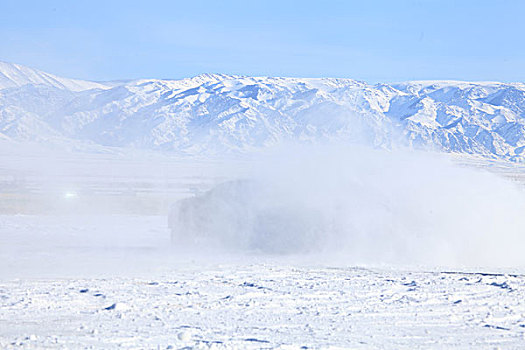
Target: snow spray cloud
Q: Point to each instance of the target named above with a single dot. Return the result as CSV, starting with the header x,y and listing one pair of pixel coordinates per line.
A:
x,y
360,206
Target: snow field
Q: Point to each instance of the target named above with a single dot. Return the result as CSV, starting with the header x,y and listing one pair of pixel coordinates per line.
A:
x,y
268,306
86,279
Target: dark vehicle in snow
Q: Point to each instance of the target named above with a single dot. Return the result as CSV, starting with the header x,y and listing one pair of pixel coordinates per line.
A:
x,y
245,214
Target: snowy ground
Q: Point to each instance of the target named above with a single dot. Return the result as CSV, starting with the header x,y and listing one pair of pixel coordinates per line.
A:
x,y
265,306
87,262
128,290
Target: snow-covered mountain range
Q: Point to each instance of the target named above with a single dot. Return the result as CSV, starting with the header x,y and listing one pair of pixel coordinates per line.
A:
x,y
215,113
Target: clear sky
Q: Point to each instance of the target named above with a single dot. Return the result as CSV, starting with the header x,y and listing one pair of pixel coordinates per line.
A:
x,y
390,40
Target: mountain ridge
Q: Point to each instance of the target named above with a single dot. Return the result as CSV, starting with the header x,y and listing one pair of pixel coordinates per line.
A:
x,y
15,75
215,113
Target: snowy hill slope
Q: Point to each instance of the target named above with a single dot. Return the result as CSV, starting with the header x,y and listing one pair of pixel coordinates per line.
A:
x,y
215,113
14,75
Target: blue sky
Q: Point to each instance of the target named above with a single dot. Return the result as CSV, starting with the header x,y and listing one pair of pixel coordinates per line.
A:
x,y
367,40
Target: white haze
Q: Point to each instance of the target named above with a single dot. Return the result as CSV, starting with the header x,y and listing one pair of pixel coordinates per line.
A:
x,y
316,205
360,206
